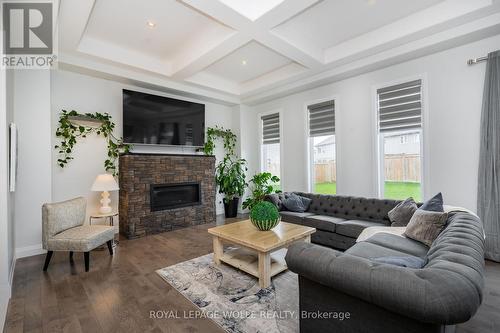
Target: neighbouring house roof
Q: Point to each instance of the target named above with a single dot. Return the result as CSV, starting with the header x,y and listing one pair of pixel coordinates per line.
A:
x,y
328,141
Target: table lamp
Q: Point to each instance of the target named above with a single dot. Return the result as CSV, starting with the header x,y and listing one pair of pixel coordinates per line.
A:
x,y
105,183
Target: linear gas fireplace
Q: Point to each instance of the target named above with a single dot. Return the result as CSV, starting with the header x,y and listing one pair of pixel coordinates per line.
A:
x,y
160,193
170,196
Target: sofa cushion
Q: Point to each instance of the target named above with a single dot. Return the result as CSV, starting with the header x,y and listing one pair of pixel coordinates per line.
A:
x,y
293,217
333,240
352,228
405,261
81,239
370,251
322,222
399,243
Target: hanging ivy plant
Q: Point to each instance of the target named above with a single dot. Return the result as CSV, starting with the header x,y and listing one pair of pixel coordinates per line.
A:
x,y
227,136
69,131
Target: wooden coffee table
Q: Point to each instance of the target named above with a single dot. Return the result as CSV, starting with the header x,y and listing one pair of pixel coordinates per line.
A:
x,y
254,254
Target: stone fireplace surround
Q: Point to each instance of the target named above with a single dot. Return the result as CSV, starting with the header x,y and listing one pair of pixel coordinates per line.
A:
x,y
139,171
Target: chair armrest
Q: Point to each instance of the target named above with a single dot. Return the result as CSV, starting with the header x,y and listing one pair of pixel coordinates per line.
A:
x,y
428,295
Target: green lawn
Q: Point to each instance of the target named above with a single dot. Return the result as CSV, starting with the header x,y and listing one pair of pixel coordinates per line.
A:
x,y
393,190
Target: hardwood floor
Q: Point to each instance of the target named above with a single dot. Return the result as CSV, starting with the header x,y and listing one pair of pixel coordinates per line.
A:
x,y
118,293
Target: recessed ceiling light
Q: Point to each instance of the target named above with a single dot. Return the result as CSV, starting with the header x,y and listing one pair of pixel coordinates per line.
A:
x,y
151,24
371,2
243,62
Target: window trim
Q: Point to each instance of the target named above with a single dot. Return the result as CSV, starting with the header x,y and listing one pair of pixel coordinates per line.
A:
x,y
308,145
378,184
259,130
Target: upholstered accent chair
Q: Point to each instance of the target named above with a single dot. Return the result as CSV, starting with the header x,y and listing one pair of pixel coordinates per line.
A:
x,y
64,230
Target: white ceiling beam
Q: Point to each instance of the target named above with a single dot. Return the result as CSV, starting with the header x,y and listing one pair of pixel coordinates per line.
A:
x,y
72,22
283,12
220,12
193,62
130,76
189,66
467,33
245,31
441,16
308,58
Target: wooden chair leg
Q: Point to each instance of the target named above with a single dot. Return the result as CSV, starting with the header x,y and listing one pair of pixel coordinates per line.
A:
x,y
86,255
71,256
110,247
47,260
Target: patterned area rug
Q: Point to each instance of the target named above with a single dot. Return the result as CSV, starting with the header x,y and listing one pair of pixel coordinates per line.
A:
x,y
233,299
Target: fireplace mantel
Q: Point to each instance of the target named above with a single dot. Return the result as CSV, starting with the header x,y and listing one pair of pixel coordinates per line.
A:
x,y
138,172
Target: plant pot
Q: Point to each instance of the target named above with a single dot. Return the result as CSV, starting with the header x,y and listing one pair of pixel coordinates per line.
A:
x,y
265,225
231,207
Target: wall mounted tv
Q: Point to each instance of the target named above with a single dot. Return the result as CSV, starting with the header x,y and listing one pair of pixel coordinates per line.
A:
x,y
157,120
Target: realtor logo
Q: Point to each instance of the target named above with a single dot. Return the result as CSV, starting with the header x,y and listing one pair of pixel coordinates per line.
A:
x,y
28,39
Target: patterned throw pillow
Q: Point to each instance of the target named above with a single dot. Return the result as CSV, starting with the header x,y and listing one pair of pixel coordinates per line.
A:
x,y
401,214
425,226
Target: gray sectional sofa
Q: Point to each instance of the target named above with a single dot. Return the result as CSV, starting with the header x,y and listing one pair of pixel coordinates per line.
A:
x,y
382,297
388,298
338,219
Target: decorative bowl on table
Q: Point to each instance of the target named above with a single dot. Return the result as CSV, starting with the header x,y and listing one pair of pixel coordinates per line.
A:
x,y
265,216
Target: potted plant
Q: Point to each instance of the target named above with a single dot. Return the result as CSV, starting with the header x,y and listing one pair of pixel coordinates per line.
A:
x,y
262,184
265,216
231,179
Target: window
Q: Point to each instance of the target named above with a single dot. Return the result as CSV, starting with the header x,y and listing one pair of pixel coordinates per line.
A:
x,y
270,149
323,166
400,132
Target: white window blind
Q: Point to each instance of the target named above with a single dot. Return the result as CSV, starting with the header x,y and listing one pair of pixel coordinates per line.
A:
x,y
322,119
271,128
400,106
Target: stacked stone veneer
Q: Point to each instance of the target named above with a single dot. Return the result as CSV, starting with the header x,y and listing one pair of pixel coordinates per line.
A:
x,y
138,172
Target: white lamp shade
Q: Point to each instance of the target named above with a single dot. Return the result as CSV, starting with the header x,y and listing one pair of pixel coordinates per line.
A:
x,y
105,182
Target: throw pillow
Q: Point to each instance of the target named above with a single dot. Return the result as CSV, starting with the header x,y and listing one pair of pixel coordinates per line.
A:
x,y
425,226
305,201
275,199
407,261
434,204
402,213
295,203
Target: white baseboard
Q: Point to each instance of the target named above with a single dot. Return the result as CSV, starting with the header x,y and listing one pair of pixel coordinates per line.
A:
x,y
12,268
28,251
4,303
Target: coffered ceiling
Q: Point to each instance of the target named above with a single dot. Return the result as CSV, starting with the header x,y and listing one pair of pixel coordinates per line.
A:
x,y
250,51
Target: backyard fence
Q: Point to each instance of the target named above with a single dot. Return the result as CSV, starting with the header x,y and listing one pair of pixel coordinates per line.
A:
x,y
325,172
402,168
398,168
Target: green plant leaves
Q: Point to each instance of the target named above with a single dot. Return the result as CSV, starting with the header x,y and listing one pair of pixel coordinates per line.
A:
x,y
261,186
228,139
69,133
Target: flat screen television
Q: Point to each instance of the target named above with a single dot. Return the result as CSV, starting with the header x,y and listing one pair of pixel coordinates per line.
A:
x,y
157,120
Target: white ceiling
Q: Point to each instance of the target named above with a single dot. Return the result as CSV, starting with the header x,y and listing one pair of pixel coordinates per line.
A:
x,y
249,51
252,9
248,62
336,21
124,24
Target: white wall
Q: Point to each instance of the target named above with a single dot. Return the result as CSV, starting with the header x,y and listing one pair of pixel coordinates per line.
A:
x,y
89,94
5,242
454,95
33,187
